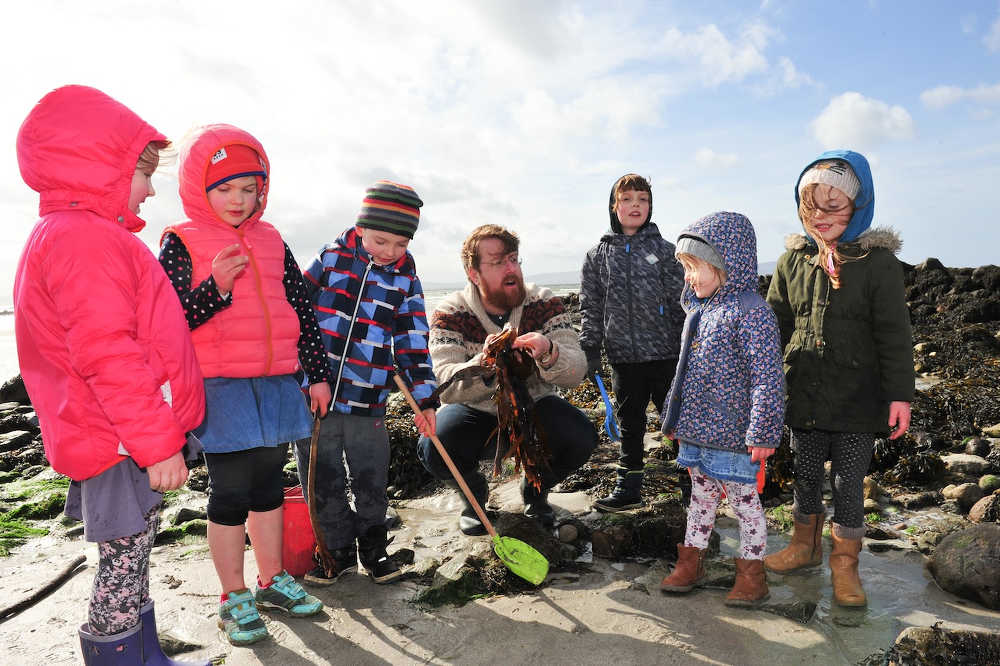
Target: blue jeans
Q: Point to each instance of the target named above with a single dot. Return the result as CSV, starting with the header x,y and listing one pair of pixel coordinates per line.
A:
x,y
465,434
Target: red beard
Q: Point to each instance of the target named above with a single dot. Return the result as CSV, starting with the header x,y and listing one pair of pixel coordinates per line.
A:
x,y
503,298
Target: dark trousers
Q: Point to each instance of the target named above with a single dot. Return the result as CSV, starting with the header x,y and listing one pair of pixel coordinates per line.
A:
x,y
635,385
465,433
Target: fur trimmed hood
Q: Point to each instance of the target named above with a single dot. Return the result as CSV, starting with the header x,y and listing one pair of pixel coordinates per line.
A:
x,y
876,237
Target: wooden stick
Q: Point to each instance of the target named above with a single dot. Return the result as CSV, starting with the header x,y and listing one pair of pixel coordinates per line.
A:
x,y
325,557
43,591
448,461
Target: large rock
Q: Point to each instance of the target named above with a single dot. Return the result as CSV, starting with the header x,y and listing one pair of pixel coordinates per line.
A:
x,y
966,494
986,510
938,645
13,391
967,563
963,463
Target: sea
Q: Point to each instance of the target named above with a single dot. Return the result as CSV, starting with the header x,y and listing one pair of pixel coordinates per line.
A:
x,y
8,347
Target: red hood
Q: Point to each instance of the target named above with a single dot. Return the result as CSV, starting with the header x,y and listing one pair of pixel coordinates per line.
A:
x,y
195,155
78,149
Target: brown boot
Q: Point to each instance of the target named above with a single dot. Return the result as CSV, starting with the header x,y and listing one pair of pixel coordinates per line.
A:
x,y
804,550
688,572
847,590
751,585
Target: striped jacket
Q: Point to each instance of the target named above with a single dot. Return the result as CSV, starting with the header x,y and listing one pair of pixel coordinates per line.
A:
x,y
377,313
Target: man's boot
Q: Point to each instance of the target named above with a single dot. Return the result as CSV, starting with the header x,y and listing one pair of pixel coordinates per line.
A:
x,y
468,520
804,550
373,556
625,496
750,587
688,572
536,504
847,590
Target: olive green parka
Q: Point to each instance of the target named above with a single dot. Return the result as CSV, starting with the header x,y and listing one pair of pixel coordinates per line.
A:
x,y
848,352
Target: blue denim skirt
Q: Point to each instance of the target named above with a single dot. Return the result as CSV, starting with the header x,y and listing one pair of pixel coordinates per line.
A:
x,y
243,414
718,464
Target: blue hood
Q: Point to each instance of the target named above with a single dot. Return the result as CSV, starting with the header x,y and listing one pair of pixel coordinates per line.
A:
x,y
864,204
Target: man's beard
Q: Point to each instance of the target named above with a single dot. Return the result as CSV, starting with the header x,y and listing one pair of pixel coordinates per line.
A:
x,y
502,298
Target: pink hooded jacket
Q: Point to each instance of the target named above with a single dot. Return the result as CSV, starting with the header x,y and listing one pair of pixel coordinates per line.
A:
x,y
258,334
102,341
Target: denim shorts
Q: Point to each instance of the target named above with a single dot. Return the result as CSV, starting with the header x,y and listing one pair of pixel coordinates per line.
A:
x,y
718,464
245,413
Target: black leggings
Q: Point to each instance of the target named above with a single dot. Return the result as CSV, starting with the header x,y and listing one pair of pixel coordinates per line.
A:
x,y
850,454
244,481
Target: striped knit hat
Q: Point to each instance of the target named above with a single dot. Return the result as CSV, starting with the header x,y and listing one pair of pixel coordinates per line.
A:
x,y
390,207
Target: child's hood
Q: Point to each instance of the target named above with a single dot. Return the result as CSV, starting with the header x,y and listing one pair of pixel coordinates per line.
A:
x,y
195,157
616,224
78,149
864,203
733,237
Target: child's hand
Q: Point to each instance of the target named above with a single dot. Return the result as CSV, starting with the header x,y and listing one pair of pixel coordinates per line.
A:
x,y
426,422
899,417
320,398
760,453
169,474
226,266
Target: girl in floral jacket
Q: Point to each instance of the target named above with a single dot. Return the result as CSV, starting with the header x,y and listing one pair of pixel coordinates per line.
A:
x,y
726,402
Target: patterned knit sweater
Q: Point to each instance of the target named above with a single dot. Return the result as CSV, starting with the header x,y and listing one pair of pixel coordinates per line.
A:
x,y
459,327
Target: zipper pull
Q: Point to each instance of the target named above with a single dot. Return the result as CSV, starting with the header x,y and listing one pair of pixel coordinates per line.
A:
x,y
627,248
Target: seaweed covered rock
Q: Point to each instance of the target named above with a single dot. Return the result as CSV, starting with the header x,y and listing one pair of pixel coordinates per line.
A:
x,y
917,646
967,563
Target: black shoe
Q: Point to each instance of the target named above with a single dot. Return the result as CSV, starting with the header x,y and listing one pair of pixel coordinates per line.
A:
x,y
625,496
536,504
469,523
344,560
374,558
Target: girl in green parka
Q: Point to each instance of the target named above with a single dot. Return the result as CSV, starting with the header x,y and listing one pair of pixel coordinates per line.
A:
x,y
848,355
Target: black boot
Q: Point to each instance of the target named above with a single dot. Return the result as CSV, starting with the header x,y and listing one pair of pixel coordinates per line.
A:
x,y
468,520
625,495
536,504
345,560
374,558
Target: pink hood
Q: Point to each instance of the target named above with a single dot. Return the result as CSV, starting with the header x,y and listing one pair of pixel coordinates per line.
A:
x,y
196,154
83,170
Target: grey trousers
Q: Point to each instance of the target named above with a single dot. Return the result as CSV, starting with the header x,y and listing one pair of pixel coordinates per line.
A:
x,y
353,452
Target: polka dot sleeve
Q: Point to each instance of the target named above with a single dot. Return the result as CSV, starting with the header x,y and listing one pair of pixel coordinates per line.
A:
x,y
312,353
199,303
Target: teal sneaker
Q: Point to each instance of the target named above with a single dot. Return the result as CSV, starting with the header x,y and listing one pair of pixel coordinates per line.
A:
x,y
238,617
285,594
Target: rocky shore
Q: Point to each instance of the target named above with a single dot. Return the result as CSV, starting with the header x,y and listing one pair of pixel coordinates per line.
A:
x,y
932,497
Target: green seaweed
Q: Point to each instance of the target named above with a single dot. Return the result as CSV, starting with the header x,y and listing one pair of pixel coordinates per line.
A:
x,y
14,532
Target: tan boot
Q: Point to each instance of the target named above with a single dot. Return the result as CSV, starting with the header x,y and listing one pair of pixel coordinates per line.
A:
x,y
847,590
751,585
688,572
804,550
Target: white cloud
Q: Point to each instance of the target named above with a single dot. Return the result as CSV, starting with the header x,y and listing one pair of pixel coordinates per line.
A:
x,y
718,59
942,96
791,76
706,157
992,38
853,120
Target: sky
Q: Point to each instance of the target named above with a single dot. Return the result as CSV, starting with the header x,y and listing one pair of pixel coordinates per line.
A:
x,y
524,113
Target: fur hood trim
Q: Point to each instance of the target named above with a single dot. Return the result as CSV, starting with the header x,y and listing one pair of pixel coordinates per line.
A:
x,y
876,237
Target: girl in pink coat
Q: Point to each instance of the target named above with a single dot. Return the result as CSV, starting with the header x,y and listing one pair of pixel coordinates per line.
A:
x,y
104,350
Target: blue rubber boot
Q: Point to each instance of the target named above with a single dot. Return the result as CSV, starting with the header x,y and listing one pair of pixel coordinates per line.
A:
x,y
152,653
124,649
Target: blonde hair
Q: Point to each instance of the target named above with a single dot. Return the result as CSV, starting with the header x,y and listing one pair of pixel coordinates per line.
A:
x,y
153,155
830,258
689,261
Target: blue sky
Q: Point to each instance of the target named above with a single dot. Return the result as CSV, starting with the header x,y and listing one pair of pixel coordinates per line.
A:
x,y
524,115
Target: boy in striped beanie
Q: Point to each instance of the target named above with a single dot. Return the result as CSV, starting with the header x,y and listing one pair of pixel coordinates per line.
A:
x,y
370,308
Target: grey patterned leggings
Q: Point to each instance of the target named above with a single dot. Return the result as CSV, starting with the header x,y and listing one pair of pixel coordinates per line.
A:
x,y
850,454
121,586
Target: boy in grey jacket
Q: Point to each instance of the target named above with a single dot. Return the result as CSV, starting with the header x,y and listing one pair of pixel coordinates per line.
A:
x,y
629,303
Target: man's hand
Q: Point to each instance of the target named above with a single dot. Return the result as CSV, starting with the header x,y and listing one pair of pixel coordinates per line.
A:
x,y
534,343
319,398
899,417
760,454
426,422
169,474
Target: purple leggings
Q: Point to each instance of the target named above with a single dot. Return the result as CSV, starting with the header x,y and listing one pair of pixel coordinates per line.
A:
x,y
743,498
121,586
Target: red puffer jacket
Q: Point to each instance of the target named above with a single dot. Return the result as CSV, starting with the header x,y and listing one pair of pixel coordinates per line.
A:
x,y
102,341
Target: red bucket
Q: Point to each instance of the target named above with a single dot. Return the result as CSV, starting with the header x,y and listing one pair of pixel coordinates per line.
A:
x,y
298,542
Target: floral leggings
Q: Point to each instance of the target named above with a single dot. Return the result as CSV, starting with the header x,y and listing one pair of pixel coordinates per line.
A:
x,y
743,498
121,586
